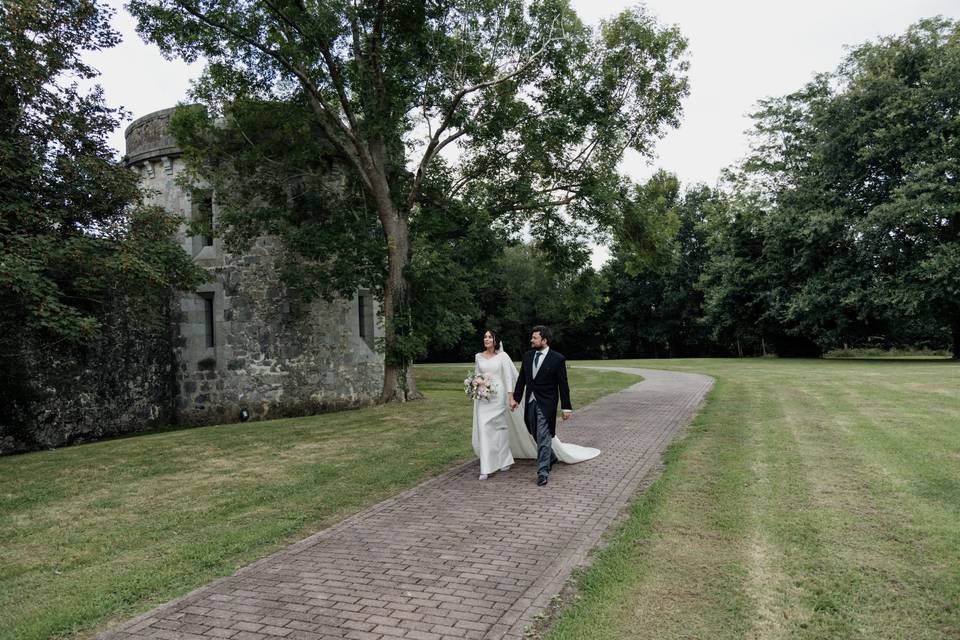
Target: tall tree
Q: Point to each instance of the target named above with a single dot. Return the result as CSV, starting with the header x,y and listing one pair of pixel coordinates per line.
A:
x,y
862,169
644,236
70,233
539,107
735,278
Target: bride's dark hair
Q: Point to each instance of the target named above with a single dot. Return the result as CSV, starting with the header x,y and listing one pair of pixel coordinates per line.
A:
x,y
496,340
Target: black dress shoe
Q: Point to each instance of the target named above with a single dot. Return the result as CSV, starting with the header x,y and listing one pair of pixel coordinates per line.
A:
x,y
541,480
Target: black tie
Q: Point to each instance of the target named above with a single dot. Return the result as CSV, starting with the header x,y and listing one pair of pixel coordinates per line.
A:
x,y
536,360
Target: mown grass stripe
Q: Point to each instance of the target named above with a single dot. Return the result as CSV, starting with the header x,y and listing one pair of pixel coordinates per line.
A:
x,y
849,498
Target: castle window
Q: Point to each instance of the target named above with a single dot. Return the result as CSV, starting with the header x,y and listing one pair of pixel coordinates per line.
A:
x,y
206,213
201,219
208,323
365,317
361,303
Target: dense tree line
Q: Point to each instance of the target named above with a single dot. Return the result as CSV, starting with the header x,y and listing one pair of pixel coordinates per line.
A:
x,y
644,302
848,207
841,229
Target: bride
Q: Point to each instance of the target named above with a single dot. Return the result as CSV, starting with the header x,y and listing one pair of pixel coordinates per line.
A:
x,y
499,435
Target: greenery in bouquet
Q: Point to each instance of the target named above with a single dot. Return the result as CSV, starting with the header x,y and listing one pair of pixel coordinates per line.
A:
x,y
479,386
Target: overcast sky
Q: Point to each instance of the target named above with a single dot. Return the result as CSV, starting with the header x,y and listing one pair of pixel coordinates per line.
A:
x,y
740,51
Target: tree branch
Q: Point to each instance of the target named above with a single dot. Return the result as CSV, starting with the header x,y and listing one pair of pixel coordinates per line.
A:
x,y
333,127
537,205
325,51
376,37
569,188
339,85
435,144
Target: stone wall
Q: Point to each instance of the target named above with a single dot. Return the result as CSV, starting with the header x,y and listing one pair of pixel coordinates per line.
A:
x,y
122,382
270,354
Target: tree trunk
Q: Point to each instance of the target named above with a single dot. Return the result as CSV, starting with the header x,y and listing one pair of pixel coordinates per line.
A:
x,y
399,384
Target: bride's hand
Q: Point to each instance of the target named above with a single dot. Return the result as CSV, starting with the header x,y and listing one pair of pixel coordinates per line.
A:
x,y
513,404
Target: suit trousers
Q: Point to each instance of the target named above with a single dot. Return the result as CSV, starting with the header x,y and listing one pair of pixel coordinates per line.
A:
x,y
541,433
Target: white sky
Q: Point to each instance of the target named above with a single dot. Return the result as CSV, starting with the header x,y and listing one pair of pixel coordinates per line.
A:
x,y
740,51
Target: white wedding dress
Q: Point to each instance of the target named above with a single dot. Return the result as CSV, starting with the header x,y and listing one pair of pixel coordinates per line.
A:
x,y
499,435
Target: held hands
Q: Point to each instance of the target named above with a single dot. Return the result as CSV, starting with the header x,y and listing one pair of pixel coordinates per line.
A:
x,y
513,405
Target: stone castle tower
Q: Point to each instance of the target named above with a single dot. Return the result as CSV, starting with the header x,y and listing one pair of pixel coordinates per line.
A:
x,y
243,343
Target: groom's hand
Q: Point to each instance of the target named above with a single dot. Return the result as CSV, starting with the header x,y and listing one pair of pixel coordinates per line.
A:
x,y
567,415
513,404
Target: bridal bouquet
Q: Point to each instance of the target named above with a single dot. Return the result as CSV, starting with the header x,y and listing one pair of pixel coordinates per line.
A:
x,y
479,386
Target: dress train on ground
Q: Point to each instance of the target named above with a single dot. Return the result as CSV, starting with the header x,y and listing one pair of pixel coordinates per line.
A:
x,y
499,434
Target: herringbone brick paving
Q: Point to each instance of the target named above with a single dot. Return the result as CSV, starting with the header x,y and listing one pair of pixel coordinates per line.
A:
x,y
453,557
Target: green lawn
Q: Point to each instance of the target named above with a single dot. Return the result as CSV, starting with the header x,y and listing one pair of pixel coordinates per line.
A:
x,y
810,499
95,534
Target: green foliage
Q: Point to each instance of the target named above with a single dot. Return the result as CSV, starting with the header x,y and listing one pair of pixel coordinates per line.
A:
x,y
645,301
856,231
839,231
653,303
529,294
71,234
644,237
52,157
732,277
454,253
524,285
273,174
564,125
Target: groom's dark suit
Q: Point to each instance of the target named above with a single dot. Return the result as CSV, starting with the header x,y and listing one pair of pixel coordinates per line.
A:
x,y
547,386
551,380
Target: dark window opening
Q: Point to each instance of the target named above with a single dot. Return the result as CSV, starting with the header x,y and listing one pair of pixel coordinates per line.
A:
x,y
361,303
202,222
206,210
365,317
208,319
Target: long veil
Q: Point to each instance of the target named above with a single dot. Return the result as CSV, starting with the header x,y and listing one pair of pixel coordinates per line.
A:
x,y
522,444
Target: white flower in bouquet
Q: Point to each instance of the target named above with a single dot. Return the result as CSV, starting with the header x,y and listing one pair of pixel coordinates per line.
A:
x,y
479,386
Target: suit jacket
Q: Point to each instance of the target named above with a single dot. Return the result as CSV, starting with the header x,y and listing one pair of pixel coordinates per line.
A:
x,y
548,386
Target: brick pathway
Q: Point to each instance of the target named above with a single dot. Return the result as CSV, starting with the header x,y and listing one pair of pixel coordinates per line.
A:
x,y
453,557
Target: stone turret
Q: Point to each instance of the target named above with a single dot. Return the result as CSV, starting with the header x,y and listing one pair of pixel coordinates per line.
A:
x,y
244,344
154,154
149,138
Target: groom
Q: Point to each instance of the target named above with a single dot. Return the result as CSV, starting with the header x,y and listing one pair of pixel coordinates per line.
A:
x,y
543,373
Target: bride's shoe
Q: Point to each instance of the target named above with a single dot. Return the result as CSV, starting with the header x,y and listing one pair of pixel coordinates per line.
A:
x,y
483,476
506,468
